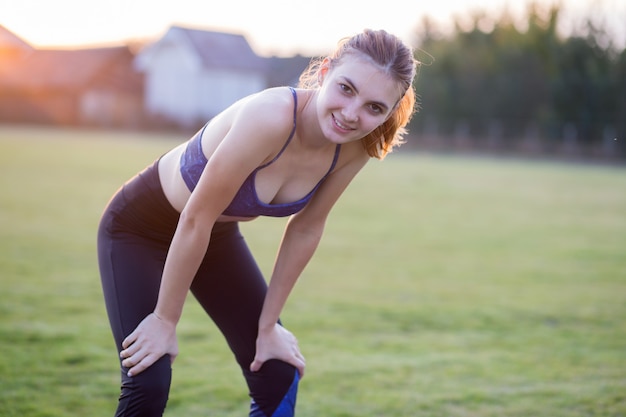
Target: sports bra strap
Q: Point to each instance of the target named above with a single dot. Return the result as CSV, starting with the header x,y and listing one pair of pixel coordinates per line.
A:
x,y
293,131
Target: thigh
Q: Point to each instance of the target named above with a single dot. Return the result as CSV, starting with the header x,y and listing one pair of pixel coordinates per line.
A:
x,y
133,239
230,287
130,272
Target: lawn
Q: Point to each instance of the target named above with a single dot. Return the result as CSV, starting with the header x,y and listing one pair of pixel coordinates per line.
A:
x,y
444,286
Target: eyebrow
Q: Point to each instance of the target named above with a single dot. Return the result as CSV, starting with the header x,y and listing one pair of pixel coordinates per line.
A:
x,y
378,103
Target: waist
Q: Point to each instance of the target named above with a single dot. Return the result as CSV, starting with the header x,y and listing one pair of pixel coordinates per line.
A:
x,y
175,189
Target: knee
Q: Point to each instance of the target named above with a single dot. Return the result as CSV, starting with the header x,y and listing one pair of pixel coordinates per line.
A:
x,y
146,394
273,389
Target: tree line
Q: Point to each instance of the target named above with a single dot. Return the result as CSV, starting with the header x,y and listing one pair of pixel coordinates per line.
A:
x,y
489,79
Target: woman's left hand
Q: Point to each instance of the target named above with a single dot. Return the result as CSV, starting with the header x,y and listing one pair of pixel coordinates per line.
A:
x,y
278,343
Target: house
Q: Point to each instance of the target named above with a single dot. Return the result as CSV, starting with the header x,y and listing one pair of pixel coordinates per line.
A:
x,y
191,75
72,87
286,71
180,80
12,48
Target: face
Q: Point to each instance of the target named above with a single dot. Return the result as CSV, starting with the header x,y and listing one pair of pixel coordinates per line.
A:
x,y
355,97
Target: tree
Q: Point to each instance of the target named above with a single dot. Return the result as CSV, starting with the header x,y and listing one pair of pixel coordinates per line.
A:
x,y
489,68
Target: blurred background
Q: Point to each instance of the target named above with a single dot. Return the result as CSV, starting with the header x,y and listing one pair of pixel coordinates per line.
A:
x,y
533,79
446,285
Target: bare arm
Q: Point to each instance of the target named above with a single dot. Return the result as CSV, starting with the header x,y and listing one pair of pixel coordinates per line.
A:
x,y
234,158
300,240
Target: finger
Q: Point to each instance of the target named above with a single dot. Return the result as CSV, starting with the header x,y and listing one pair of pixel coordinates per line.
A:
x,y
130,351
256,365
299,361
130,339
142,365
134,356
131,361
300,367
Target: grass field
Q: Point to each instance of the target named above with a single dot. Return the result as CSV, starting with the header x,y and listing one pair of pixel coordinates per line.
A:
x,y
444,286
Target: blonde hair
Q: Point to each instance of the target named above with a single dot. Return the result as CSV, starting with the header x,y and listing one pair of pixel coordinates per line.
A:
x,y
397,60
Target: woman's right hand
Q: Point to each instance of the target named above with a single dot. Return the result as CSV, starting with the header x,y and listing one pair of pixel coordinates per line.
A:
x,y
152,339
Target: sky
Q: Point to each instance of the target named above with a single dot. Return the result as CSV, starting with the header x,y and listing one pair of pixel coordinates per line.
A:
x,y
272,27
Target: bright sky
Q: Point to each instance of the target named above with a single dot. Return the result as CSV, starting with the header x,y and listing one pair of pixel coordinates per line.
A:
x,y
273,27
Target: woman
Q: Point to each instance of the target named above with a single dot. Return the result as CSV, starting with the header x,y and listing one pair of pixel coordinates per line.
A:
x,y
174,226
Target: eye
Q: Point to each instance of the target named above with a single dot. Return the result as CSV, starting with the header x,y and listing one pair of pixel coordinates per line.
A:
x,y
376,109
345,88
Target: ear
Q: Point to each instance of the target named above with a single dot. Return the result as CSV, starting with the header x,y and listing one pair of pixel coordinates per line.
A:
x,y
323,70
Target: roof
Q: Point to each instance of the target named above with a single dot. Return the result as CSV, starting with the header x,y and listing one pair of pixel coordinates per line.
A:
x,y
286,71
8,40
222,50
64,69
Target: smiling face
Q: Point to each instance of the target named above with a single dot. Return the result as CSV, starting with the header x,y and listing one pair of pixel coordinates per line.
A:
x,y
356,96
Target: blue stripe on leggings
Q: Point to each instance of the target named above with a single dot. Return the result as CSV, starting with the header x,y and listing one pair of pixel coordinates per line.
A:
x,y
287,406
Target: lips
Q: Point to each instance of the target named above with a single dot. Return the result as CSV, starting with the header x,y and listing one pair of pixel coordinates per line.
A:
x,y
341,126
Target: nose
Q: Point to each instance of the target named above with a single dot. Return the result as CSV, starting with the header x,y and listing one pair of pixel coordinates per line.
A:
x,y
350,113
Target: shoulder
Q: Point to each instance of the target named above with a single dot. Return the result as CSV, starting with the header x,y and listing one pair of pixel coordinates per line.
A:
x,y
254,128
272,108
352,156
259,122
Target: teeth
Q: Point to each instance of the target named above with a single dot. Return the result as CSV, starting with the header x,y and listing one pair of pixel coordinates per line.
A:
x,y
341,125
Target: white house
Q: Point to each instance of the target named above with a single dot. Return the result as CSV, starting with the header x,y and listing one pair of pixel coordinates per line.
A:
x,y
191,75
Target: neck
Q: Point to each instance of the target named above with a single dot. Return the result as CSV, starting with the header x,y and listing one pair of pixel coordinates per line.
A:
x,y
308,128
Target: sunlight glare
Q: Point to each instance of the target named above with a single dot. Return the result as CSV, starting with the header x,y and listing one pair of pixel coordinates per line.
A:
x,y
278,27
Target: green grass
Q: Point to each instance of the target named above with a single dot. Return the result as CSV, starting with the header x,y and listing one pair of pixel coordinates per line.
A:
x,y
444,286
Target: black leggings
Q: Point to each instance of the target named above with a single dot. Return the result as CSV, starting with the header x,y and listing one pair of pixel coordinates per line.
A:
x,y
133,239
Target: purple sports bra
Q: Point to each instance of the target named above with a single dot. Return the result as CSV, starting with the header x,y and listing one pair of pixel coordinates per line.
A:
x,y
246,202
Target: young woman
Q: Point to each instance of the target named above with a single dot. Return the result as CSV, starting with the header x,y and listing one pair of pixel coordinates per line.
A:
x,y
174,226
